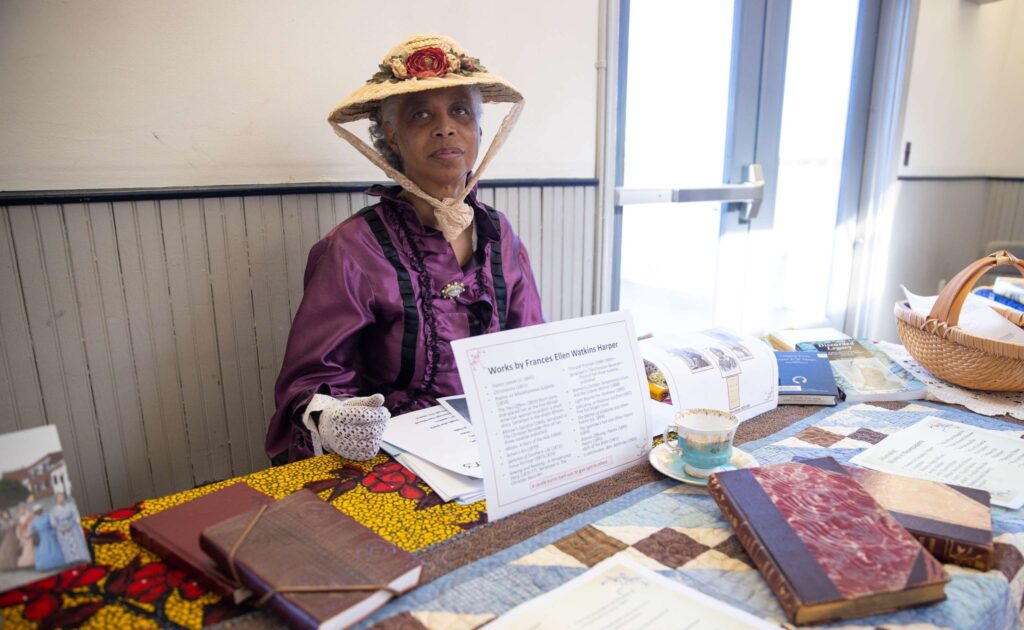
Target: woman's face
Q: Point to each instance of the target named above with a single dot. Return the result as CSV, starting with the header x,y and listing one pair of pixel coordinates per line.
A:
x,y
437,135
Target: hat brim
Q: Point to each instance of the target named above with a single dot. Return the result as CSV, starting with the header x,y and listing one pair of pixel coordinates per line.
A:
x,y
361,103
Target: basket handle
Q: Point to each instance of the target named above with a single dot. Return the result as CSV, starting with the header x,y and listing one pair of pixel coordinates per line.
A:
x,y
952,297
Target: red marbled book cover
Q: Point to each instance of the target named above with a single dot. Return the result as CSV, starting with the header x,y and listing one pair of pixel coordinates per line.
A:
x,y
825,547
952,522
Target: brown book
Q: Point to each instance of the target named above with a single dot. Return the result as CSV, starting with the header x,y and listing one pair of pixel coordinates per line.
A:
x,y
173,534
824,546
952,522
302,541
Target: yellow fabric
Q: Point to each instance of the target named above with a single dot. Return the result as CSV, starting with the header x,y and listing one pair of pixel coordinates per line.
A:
x,y
389,513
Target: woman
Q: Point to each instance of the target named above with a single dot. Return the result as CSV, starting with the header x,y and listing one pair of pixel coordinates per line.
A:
x,y
8,542
65,519
388,290
23,529
48,554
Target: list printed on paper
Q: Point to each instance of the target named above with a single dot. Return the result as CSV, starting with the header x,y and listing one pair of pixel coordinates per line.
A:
x,y
622,594
953,453
554,406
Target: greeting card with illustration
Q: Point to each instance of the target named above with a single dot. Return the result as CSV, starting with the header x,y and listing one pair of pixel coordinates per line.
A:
x,y
40,527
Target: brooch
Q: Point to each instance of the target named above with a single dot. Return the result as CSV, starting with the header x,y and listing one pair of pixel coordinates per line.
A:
x,y
453,290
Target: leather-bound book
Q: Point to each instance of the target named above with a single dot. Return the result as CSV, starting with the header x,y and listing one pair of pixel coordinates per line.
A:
x,y
302,543
173,534
952,522
824,546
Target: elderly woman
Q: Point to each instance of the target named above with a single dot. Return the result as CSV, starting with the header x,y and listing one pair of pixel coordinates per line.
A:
x,y
389,289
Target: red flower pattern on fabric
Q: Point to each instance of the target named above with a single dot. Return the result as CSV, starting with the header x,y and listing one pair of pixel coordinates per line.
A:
x,y
394,477
149,583
347,478
122,514
427,62
42,598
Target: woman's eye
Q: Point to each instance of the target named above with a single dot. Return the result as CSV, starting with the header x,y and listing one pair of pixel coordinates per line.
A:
x,y
420,115
460,111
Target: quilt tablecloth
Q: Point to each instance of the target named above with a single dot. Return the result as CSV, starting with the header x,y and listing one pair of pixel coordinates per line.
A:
x,y
677,530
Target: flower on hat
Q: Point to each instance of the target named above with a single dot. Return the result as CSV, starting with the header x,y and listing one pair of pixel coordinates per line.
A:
x,y
426,62
397,67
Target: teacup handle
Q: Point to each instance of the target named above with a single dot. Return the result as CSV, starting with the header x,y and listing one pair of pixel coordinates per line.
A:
x,y
672,445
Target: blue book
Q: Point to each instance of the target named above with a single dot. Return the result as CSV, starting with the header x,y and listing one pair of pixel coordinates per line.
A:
x,y
865,373
1002,299
805,378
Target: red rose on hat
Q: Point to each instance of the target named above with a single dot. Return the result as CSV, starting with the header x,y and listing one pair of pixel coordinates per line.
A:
x,y
427,62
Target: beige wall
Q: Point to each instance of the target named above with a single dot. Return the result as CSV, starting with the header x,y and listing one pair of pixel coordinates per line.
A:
x,y
966,94
145,93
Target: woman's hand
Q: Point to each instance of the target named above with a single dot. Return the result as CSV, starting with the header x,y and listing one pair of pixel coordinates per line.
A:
x,y
352,428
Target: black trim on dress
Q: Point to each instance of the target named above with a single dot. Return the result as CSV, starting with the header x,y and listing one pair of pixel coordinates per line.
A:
x,y
411,314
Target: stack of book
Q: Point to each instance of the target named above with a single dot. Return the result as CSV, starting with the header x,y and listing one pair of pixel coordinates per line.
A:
x,y
1010,287
1005,291
838,543
315,566
865,373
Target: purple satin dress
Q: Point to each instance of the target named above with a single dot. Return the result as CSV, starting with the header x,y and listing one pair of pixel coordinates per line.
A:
x,y
354,334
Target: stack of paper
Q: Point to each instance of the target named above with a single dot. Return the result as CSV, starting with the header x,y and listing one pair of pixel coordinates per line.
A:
x,y
440,447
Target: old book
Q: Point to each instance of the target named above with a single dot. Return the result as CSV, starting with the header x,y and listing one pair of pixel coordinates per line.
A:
x,y
302,541
173,534
952,522
824,546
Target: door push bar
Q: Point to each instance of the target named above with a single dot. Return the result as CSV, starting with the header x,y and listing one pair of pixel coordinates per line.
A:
x,y
747,196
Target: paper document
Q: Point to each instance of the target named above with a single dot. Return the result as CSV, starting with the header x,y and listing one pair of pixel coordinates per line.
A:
x,y
438,436
554,406
447,484
954,453
716,369
622,594
976,317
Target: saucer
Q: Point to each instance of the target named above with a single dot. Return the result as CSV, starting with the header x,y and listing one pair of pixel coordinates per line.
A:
x,y
671,465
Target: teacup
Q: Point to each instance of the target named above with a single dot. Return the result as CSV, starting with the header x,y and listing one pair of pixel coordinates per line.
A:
x,y
704,440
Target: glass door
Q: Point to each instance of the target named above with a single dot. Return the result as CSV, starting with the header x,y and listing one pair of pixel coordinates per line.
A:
x,y
769,97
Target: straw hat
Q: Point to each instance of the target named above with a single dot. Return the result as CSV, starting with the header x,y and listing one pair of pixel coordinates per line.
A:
x,y
423,62
428,62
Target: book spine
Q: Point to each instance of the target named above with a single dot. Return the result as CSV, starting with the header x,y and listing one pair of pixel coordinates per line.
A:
x,y
955,552
755,549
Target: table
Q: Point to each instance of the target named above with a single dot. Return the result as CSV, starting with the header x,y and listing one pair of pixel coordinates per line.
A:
x,y
474,572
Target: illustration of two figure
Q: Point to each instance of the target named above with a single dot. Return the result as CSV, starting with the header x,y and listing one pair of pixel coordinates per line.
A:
x,y
36,540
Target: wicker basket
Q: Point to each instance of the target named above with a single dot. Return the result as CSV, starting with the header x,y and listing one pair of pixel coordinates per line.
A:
x,y
953,355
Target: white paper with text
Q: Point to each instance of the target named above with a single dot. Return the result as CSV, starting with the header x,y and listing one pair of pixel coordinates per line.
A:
x,y
623,594
953,453
554,406
438,436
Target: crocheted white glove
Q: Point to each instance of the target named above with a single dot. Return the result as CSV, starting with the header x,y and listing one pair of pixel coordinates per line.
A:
x,y
352,428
